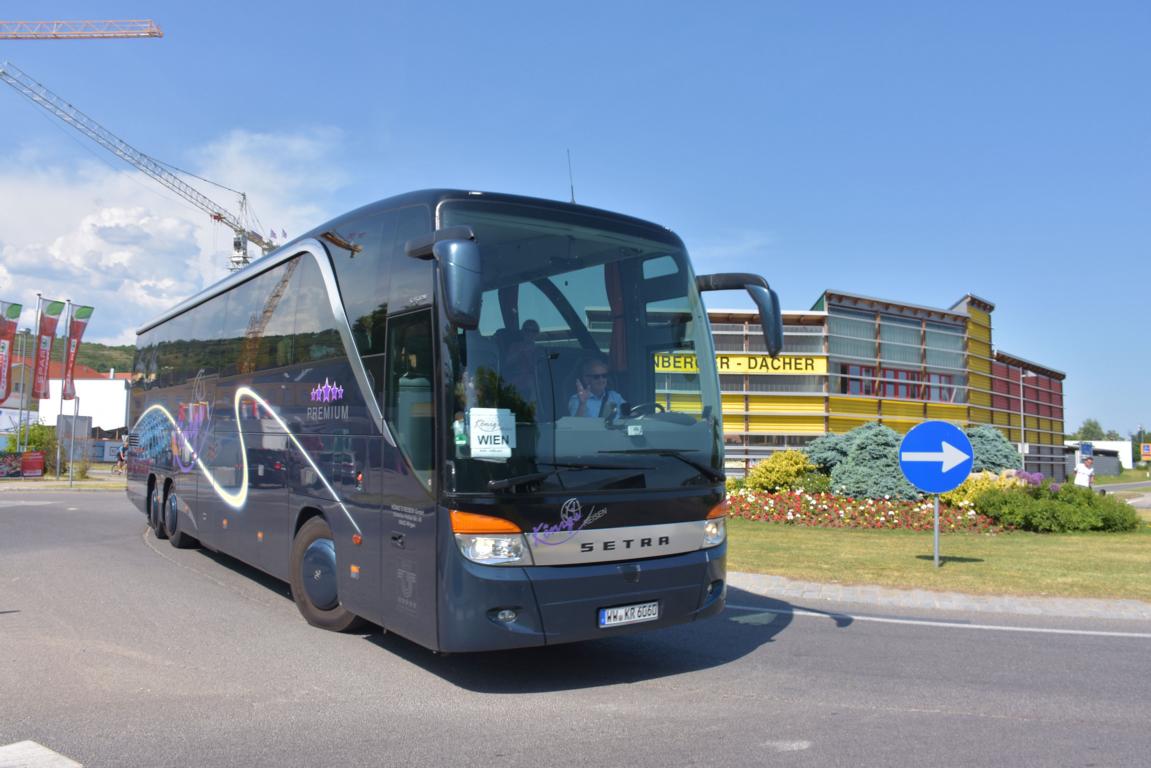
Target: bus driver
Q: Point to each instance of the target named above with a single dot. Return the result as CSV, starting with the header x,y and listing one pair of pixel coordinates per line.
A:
x,y
592,397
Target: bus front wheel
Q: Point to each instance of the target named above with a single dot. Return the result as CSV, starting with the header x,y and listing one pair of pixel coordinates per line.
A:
x,y
314,578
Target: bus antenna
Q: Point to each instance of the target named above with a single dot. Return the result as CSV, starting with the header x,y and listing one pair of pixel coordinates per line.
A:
x,y
571,182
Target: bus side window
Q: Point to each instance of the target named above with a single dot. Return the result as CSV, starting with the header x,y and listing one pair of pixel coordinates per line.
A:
x,y
409,399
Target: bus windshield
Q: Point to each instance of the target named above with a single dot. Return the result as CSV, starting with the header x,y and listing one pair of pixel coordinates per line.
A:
x,y
592,368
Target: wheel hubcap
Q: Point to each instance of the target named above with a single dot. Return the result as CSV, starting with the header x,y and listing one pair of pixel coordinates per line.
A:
x,y
318,574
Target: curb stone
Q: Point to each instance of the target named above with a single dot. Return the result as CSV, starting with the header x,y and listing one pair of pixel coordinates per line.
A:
x,y
777,586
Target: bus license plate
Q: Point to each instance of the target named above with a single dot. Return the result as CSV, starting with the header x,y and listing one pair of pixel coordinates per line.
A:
x,y
628,614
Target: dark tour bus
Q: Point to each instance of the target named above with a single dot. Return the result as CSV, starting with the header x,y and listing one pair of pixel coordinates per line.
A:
x,y
481,421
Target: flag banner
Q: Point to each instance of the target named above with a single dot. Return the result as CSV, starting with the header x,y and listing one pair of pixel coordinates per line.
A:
x,y
76,325
9,323
50,312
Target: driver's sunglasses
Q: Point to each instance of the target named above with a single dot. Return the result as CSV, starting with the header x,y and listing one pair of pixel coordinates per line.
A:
x,y
595,376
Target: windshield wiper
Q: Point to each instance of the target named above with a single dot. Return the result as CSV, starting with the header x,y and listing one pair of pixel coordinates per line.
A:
x,y
709,472
532,477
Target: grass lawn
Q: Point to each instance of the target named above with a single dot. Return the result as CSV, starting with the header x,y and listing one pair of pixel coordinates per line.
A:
x,y
1127,476
1110,565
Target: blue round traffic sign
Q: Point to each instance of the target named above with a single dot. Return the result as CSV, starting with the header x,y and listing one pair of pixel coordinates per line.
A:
x,y
936,456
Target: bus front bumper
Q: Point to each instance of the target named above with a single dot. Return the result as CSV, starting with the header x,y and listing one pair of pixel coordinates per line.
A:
x,y
493,608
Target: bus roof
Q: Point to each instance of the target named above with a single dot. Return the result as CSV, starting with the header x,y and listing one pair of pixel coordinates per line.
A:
x,y
429,197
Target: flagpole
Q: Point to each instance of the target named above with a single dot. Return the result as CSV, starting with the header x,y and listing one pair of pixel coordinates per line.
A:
x,y
23,365
36,327
59,417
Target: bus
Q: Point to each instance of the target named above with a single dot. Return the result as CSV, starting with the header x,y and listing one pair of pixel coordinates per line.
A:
x,y
480,421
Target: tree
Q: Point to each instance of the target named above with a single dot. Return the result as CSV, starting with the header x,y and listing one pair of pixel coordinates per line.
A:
x,y
1091,430
1112,435
993,452
871,468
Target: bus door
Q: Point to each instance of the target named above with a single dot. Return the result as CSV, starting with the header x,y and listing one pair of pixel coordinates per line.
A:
x,y
408,564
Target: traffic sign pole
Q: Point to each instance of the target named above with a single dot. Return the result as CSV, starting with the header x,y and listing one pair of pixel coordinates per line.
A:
x,y
936,457
937,530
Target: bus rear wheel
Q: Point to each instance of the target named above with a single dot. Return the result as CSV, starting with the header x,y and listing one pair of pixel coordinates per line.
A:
x,y
156,513
176,537
314,578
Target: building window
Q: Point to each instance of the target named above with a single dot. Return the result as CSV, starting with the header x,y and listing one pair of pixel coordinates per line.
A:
x,y
900,383
940,387
856,379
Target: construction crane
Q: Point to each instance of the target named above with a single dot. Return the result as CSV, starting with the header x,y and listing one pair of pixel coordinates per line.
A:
x,y
39,95
71,30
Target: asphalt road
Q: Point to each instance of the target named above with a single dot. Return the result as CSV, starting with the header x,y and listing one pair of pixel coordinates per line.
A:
x,y
118,650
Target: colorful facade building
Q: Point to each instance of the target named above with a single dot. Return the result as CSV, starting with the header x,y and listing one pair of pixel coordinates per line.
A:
x,y
853,359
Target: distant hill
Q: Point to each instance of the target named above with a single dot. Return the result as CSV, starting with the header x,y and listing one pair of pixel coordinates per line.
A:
x,y
100,357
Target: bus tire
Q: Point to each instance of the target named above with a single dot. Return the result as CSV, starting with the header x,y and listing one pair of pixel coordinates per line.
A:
x,y
176,537
156,514
314,576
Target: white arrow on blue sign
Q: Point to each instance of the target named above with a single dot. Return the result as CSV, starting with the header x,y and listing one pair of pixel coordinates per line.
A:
x,y
936,456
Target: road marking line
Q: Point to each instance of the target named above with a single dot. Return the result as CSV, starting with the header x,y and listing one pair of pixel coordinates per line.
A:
x,y
29,754
943,624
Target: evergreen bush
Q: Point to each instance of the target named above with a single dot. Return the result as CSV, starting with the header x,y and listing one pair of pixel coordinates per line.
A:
x,y
993,452
871,468
827,451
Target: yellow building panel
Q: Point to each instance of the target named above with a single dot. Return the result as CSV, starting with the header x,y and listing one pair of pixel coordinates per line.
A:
x,y
980,416
956,413
977,332
901,409
860,405
785,404
805,425
684,404
1032,422
841,425
901,426
733,402
734,424
980,398
978,316
978,364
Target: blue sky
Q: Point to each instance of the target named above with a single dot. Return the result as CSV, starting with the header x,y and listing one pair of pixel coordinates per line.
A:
x,y
912,151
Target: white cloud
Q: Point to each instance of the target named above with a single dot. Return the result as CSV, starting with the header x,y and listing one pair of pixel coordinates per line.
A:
x,y
121,242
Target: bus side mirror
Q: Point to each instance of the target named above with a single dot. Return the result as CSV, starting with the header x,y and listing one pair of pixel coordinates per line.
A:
x,y
459,263
770,317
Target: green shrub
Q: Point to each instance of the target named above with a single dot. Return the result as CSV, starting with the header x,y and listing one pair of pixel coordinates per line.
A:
x,y
783,469
733,484
814,482
1117,515
871,468
1071,508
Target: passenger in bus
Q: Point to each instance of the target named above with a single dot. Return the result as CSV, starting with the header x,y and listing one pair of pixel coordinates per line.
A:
x,y
592,396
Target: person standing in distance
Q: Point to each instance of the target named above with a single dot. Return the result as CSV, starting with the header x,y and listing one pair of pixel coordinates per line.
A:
x,y
1085,472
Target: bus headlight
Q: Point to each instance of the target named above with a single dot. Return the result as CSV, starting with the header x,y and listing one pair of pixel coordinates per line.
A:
x,y
494,548
714,532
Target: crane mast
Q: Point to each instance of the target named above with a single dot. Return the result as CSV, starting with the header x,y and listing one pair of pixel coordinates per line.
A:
x,y
41,96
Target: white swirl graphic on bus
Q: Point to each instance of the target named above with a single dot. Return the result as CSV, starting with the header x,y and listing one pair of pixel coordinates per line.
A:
x,y
237,499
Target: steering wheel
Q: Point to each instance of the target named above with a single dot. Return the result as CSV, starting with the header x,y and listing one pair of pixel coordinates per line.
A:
x,y
639,409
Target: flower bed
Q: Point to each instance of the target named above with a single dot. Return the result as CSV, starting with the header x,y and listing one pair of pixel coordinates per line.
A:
x,y
826,510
